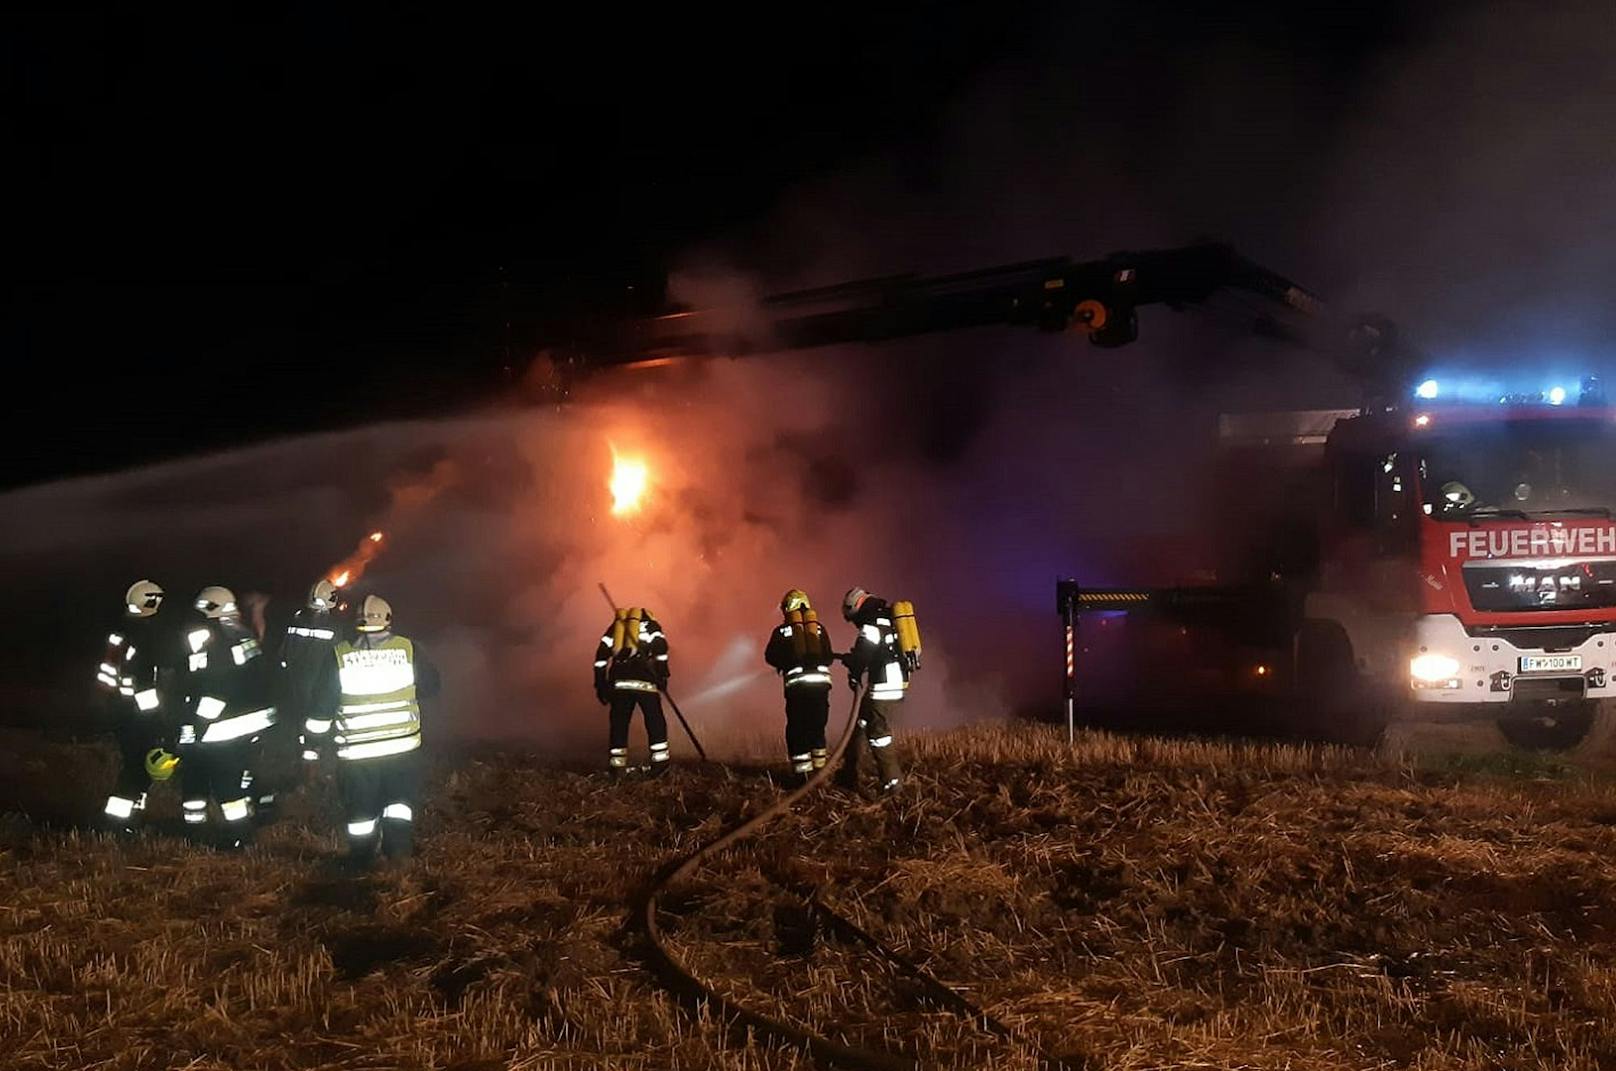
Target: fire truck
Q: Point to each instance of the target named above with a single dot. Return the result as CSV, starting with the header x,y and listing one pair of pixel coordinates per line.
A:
x,y
1433,570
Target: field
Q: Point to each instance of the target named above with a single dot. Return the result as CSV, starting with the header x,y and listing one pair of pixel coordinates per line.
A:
x,y
1124,904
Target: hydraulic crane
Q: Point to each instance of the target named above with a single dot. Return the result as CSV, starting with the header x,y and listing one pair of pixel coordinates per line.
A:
x,y
1099,298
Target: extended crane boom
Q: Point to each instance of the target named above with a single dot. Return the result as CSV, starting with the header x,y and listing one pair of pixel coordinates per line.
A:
x,y
1098,297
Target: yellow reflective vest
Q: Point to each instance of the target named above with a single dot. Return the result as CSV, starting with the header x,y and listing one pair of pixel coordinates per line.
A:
x,y
378,713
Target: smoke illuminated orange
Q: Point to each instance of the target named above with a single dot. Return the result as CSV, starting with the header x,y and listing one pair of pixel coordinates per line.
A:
x,y
628,483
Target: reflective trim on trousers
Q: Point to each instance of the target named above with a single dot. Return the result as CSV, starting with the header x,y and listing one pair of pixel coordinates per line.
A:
x,y
802,763
659,752
196,811
619,757
317,726
635,686
821,680
362,829
821,756
399,812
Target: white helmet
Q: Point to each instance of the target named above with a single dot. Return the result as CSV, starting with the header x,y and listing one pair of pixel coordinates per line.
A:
x,y
375,614
323,595
143,598
216,602
853,600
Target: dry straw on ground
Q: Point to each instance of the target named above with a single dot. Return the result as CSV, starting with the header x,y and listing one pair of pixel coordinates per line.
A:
x,y
1125,904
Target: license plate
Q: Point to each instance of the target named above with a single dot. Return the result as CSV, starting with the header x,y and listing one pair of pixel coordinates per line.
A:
x,y
1554,663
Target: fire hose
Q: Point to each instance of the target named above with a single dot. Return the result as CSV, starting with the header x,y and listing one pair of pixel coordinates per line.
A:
x,y
684,980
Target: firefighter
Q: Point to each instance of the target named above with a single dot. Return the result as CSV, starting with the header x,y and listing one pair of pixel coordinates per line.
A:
x,y
307,648
229,706
631,669
799,650
136,678
367,707
877,660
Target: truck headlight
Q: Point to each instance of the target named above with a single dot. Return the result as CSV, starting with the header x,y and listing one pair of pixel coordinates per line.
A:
x,y
1434,671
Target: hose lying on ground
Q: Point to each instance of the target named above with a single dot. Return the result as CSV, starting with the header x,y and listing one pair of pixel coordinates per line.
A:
x,y
685,981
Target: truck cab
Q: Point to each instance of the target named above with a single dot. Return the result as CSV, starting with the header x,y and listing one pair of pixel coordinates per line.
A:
x,y
1467,571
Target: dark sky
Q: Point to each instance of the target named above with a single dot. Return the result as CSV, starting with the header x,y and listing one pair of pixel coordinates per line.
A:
x,y
228,226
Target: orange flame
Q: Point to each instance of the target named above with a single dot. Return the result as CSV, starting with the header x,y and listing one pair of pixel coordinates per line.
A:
x,y
628,484
353,566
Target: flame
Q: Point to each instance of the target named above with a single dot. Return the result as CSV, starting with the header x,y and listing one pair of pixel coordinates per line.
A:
x,y
353,566
628,483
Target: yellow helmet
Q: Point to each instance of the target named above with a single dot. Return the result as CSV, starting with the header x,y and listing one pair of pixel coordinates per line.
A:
x,y
160,765
795,599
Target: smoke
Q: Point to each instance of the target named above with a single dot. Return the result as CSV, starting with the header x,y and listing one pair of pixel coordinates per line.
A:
x,y
764,476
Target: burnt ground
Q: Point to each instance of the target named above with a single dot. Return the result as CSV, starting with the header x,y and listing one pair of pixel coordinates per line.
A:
x,y
1127,903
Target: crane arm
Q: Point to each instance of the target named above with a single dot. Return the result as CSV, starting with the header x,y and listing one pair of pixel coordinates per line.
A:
x,y
1099,298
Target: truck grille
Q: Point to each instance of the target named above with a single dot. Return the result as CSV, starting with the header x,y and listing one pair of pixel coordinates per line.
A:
x,y
1516,586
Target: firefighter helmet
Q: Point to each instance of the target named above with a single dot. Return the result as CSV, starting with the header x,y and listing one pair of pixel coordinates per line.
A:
x,y
160,764
852,601
795,599
375,614
1456,495
323,595
216,602
143,598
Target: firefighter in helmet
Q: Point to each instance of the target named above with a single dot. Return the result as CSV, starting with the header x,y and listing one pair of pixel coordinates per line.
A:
x,y
306,650
631,669
135,677
367,707
229,707
799,650
877,661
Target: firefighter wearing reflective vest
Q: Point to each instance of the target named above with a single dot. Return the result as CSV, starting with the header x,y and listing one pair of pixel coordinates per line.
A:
x,y
878,660
631,669
368,709
799,650
134,676
229,706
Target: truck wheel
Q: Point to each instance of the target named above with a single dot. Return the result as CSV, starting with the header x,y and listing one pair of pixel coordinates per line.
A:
x,y
1339,705
1585,731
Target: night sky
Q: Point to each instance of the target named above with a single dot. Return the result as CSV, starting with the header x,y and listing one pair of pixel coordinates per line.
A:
x,y
225,227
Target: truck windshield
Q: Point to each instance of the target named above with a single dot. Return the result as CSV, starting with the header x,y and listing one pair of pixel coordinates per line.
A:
x,y
1520,469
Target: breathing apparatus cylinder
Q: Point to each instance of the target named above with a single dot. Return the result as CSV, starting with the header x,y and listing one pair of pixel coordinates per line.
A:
x,y
903,620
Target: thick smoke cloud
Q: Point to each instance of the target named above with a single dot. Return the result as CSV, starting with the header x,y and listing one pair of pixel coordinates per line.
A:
x,y
765,475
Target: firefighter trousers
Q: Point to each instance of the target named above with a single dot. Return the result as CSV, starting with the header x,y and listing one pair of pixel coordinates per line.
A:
x,y
219,773
135,735
379,798
807,710
874,730
624,701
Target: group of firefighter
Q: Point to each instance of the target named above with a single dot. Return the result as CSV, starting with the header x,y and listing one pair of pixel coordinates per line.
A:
x,y
199,697
197,694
